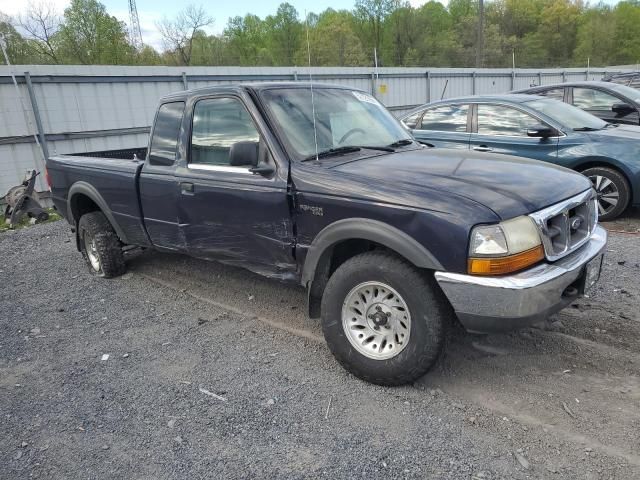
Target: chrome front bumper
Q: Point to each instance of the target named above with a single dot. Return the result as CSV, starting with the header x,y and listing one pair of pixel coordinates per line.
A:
x,y
496,304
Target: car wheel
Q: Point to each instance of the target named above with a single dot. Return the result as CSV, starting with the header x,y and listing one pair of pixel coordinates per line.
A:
x,y
612,189
384,320
100,246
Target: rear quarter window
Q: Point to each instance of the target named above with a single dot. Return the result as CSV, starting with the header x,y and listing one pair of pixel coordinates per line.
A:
x,y
164,139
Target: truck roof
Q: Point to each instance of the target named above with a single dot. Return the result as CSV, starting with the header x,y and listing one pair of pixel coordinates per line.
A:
x,y
255,86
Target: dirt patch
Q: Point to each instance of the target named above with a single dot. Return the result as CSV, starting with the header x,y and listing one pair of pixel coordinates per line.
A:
x,y
558,402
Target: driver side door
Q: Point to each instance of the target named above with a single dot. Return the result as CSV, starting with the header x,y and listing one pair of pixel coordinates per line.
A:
x,y
226,212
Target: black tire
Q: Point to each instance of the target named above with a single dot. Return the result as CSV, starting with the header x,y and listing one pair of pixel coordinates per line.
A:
x,y
94,227
619,182
430,318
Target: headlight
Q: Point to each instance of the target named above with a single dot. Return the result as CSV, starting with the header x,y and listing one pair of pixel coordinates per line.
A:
x,y
504,248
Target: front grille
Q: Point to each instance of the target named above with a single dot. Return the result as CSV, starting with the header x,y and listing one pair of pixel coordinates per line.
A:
x,y
566,226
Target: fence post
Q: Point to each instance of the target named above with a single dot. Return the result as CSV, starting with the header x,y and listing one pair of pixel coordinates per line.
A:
x,y
473,91
539,78
295,75
564,77
428,86
373,84
185,84
36,115
513,79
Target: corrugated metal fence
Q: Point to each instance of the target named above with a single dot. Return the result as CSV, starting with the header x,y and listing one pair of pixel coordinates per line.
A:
x,y
90,108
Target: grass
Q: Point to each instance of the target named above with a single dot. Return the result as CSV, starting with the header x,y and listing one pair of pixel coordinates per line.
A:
x,y
26,221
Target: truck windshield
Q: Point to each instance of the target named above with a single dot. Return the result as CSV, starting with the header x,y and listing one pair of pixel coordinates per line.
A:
x,y
567,115
343,118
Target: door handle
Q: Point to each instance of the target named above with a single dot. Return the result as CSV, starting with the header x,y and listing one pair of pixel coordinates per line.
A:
x,y
186,187
482,148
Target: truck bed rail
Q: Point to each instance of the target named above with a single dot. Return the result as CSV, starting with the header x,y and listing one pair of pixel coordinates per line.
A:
x,y
123,154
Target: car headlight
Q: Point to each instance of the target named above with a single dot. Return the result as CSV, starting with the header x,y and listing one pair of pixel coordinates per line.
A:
x,y
506,247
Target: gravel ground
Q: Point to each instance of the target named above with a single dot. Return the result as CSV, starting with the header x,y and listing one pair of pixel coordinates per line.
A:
x,y
213,372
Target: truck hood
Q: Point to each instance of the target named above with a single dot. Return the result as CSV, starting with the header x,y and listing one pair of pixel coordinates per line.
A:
x,y
509,186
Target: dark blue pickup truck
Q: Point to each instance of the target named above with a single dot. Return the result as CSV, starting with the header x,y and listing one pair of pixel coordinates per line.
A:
x,y
321,186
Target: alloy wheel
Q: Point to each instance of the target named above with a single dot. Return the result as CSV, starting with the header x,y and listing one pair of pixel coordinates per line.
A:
x,y
607,191
376,320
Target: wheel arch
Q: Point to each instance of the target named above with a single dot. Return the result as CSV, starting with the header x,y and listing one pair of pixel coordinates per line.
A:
x,y
592,162
346,238
84,198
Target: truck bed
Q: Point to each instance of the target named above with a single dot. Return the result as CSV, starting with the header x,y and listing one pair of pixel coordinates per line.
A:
x,y
116,181
124,154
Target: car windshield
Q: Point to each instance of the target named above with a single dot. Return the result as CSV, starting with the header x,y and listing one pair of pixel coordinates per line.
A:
x,y
567,115
343,118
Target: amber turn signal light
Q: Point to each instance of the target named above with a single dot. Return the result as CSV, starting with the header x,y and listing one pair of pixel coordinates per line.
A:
x,y
508,264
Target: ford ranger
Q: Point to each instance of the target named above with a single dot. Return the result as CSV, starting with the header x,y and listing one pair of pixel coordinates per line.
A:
x,y
322,186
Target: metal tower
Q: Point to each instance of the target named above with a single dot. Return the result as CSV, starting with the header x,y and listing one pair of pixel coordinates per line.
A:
x,y
135,33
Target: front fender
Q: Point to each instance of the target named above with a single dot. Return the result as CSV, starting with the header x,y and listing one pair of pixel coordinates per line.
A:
x,y
366,229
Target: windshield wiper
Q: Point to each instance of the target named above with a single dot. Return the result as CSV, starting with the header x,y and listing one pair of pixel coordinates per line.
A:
x,y
611,125
586,129
346,149
401,143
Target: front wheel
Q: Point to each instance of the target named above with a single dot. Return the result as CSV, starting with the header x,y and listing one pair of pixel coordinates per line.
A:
x,y
100,246
612,189
383,320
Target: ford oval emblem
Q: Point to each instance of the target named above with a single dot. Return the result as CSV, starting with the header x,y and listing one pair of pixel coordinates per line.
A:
x,y
575,223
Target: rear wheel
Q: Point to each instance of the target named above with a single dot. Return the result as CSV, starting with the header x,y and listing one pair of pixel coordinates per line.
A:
x,y
612,189
383,320
100,246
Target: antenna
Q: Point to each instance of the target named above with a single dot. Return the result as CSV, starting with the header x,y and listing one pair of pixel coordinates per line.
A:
x,y
313,104
444,89
135,33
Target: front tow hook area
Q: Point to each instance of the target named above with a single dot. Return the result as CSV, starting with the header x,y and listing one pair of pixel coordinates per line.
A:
x,y
570,292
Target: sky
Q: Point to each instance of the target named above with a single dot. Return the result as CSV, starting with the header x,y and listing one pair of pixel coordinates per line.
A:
x,y
151,11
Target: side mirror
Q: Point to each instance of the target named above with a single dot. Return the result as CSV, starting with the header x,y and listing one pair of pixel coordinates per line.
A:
x,y
541,131
244,154
622,108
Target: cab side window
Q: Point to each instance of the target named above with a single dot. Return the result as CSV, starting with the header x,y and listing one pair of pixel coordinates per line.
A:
x,y
164,140
504,121
447,118
218,123
555,93
591,99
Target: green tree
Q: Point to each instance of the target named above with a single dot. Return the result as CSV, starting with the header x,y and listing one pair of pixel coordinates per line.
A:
x,y
596,37
148,56
559,28
89,35
371,15
332,41
627,32
17,47
438,44
246,37
402,34
283,34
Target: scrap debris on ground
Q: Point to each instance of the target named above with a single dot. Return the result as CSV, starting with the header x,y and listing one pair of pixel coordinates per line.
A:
x,y
189,369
